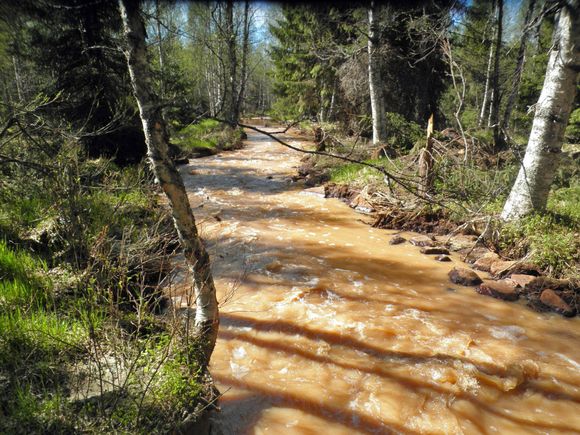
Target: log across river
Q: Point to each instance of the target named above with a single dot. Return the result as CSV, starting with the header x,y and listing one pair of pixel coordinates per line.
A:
x,y
328,329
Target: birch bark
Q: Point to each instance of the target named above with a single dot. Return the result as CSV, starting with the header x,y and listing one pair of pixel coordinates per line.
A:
x,y
532,186
375,89
206,314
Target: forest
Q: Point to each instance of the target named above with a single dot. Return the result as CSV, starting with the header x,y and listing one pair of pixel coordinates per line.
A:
x,y
231,217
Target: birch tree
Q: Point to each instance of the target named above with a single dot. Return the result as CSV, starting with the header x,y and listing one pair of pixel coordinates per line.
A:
x,y
375,88
532,186
206,314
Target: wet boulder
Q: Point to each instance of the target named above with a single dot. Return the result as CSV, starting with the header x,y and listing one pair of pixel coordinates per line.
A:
x,y
504,289
502,269
397,240
484,263
434,250
554,302
522,280
465,277
461,241
422,241
443,258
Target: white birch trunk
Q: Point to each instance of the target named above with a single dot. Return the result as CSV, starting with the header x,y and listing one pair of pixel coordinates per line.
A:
x,y
486,91
375,89
206,314
532,186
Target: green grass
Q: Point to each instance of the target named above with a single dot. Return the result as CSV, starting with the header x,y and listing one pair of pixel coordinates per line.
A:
x,y
42,339
202,135
207,135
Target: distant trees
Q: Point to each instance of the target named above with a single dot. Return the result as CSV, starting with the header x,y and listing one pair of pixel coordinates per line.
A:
x,y
381,59
530,191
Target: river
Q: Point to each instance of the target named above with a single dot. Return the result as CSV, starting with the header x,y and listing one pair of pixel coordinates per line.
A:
x,y
328,329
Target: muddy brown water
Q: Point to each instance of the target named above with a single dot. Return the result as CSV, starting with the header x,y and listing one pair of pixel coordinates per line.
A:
x,y
328,329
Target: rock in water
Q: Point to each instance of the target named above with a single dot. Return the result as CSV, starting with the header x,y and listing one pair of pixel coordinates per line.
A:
x,y
465,277
444,258
421,241
484,263
397,240
434,250
504,289
522,280
554,302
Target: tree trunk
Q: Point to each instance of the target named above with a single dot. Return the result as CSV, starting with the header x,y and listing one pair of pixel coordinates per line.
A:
x,y
495,102
232,116
159,50
426,162
515,88
486,90
532,186
206,314
245,51
375,89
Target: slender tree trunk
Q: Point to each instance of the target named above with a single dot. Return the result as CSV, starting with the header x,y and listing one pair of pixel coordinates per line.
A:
x,y
426,162
232,116
330,114
375,89
206,314
160,50
495,103
532,186
245,51
515,88
486,90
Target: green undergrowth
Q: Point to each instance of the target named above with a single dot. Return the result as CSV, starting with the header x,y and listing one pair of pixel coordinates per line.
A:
x,y
551,239
207,137
83,345
478,189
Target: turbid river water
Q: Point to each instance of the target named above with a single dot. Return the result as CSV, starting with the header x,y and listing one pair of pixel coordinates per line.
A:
x,y
328,329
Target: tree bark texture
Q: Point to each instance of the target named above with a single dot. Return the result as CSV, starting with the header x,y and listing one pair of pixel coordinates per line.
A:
x,y
486,89
496,100
232,115
375,88
532,186
206,315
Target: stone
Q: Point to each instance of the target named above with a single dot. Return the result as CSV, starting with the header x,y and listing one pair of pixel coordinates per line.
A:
x,y
523,268
465,277
522,280
360,203
397,240
444,258
470,255
554,302
456,243
504,289
501,267
422,241
434,250
484,263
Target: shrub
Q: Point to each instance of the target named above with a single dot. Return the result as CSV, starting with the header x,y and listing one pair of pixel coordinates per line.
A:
x,y
401,133
573,129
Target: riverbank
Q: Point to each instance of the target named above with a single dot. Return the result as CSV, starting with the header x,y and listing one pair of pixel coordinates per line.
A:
x,y
326,327
461,215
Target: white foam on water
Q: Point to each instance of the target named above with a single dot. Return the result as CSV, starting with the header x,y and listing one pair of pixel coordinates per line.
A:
x,y
509,332
239,353
569,360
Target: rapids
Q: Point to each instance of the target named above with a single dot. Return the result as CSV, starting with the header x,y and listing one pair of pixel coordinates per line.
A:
x,y
328,329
